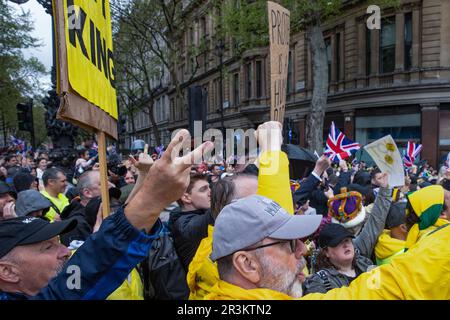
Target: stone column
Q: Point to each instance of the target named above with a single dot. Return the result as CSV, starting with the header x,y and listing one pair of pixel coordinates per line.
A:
x,y
430,132
302,132
333,71
375,56
349,124
361,83
399,46
341,85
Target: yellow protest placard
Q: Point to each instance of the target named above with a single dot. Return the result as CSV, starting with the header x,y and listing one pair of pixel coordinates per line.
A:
x,y
89,46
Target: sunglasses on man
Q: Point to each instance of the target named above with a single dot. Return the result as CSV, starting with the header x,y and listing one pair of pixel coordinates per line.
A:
x,y
292,245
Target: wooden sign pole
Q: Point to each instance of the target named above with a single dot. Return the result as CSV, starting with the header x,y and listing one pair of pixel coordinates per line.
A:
x,y
101,137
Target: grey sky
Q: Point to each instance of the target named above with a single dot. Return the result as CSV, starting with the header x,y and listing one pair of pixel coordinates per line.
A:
x,y
42,31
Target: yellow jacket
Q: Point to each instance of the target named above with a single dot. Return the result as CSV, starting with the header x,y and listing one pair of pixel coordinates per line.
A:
x,y
60,202
422,273
273,183
203,272
388,247
131,289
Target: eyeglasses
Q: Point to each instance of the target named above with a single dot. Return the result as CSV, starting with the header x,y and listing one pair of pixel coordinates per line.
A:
x,y
292,245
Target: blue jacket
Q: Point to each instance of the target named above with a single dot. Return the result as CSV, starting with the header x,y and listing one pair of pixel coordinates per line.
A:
x,y
104,261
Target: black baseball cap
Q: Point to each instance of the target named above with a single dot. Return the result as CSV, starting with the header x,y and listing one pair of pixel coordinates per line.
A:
x,y
396,215
332,234
28,230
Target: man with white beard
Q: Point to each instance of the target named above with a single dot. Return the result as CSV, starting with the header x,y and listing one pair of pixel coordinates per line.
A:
x,y
256,245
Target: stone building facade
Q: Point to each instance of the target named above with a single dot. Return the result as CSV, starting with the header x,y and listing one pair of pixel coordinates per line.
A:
x,y
395,80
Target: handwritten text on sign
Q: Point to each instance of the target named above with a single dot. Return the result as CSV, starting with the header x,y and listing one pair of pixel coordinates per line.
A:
x,y
279,32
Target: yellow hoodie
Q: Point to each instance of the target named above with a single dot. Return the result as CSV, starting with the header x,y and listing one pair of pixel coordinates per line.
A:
x,y
273,183
427,203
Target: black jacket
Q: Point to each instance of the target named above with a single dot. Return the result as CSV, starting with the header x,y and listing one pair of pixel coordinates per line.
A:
x,y
83,229
317,199
188,229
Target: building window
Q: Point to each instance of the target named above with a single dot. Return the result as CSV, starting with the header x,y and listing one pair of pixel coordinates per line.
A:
x,y
259,82
172,109
236,89
387,45
338,56
368,51
290,75
248,80
205,98
444,128
329,57
408,41
217,94
402,127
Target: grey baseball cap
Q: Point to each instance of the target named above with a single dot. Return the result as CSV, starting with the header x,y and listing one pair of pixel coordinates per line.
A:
x,y
249,220
29,201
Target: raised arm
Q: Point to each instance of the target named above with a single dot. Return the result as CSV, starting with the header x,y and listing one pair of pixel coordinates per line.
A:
x,y
165,182
365,242
273,177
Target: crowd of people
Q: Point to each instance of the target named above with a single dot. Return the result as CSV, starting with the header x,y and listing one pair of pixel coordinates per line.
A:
x,y
229,231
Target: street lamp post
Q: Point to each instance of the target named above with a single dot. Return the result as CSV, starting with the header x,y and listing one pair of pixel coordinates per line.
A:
x,y
220,49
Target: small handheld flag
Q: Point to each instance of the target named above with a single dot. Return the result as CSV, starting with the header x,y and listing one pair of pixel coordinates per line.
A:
x,y
338,146
411,153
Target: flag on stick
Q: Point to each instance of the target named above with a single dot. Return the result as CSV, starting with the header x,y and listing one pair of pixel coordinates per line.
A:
x,y
338,146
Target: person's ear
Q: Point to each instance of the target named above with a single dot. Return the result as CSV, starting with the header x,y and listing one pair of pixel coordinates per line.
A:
x,y
9,272
325,250
247,266
404,228
186,198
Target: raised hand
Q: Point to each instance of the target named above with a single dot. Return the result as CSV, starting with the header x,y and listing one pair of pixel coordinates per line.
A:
x,y
269,136
321,165
145,160
165,182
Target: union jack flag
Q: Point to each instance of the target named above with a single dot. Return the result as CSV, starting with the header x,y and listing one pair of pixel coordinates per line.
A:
x,y
18,143
411,152
339,147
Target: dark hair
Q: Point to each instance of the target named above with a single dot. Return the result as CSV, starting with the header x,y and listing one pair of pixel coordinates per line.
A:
x,y
224,266
374,172
411,216
81,152
251,169
51,173
222,193
194,178
9,157
333,179
322,261
23,181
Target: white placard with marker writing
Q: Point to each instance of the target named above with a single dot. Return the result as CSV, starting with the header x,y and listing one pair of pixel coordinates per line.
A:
x,y
385,153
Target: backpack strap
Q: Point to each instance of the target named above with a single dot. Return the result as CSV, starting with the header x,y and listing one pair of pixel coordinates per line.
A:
x,y
325,277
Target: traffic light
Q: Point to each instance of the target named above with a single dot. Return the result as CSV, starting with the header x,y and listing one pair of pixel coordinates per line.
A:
x,y
122,124
25,116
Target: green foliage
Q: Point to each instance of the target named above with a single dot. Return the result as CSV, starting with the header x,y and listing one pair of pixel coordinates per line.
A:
x,y
246,21
18,76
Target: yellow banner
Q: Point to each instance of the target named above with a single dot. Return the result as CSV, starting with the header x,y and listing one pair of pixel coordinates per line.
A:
x,y
91,70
